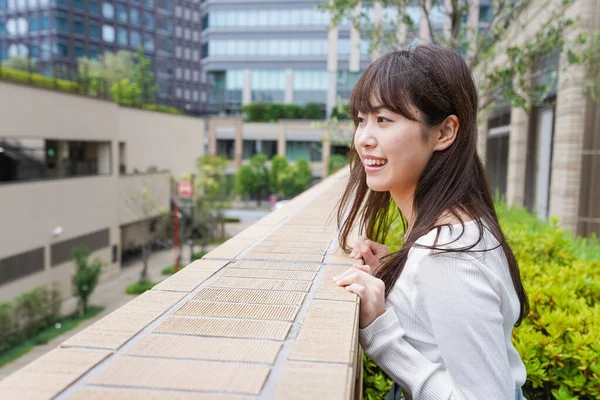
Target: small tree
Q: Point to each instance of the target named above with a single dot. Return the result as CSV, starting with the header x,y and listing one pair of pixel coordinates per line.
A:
x,y
142,76
212,187
86,276
278,165
126,92
296,179
253,178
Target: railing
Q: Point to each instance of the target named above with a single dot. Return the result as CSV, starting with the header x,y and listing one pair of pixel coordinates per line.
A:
x,y
258,317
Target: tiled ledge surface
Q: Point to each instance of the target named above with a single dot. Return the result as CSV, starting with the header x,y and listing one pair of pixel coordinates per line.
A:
x,y
258,318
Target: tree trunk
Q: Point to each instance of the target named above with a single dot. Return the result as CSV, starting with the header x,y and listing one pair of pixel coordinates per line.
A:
x,y
145,257
82,307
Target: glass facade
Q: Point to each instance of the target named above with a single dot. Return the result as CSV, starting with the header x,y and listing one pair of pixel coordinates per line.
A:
x,y
310,151
283,18
278,47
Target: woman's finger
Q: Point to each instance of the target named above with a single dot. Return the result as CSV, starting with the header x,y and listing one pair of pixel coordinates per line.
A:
x,y
348,279
357,289
365,268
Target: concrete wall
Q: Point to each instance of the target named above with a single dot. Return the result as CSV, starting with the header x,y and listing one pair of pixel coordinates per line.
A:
x,y
170,142
142,196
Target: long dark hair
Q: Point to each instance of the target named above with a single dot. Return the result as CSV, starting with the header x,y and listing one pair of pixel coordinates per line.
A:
x,y
438,83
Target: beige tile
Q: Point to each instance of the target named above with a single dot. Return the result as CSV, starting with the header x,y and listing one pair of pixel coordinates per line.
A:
x,y
270,274
276,265
339,256
124,394
307,381
236,328
230,249
114,330
264,284
283,257
328,290
250,296
206,348
184,375
254,232
191,276
329,333
50,374
239,310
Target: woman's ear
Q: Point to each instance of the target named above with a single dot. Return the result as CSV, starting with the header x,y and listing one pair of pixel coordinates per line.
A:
x,y
446,133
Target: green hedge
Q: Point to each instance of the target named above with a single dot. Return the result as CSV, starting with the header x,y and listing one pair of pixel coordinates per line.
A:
x,y
139,287
559,341
14,75
261,112
162,108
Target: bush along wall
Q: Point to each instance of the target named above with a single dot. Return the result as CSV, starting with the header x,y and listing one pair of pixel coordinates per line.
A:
x,y
559,341
261,112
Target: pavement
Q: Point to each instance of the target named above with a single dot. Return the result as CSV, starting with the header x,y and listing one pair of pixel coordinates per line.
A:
x,y
111,295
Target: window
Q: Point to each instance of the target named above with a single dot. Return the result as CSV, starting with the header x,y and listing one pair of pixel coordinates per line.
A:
x,y
187,14
178,31
79,52
121,13
34,51
134,16
311,80
178,11
33,25
44,23
61,50
195,96
178,73
148,20
196,16
187,34
21,265
135,40
122,37
149,3
61,252
93,7
79,28
196,36
78,4
61,24
187,75
148,42
186,54
94,31
108,33
178,52
195,76
3,29
196,55
178,93
108,10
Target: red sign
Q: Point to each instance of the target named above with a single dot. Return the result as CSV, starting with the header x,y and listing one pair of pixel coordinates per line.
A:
x,y
185,189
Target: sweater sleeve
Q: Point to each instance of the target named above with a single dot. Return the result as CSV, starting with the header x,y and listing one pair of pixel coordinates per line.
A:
x,y
467,325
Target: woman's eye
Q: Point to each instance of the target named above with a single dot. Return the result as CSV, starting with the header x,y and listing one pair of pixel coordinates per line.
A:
x,y
382,119
360,120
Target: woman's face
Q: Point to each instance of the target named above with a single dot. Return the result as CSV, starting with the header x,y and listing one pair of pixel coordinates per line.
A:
x,y
393,151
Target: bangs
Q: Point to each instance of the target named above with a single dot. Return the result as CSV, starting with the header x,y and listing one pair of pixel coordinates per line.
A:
x,y
385,85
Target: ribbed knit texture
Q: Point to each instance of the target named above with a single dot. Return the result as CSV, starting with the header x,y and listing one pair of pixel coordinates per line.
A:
x,y
446,332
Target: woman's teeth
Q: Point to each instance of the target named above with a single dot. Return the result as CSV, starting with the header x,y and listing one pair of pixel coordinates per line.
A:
x,y
372,162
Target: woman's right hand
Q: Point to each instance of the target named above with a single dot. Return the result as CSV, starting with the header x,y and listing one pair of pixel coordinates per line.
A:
x,y
371,252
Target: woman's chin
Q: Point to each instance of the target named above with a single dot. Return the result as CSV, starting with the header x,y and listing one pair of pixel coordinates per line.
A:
x,y
377,185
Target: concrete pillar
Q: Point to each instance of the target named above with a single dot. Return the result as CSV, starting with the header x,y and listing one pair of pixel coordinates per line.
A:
x,y
288,96
354,65
482,136
281,141
517,157
247,88
472,25
62,150
332,68
377,18
103,158
212,137
239,143
424,34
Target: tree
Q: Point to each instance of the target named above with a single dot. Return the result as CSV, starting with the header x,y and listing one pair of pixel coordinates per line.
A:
x,y
511,80
278,165
253,178
86,276
296,178
212,188
126,92
337,162
142,76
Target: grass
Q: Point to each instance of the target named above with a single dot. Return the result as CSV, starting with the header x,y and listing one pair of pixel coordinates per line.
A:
x,y
219,240
47,334
139,288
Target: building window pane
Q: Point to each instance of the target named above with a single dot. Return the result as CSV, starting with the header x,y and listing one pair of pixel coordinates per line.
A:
x,y
61,50
121,13
61,24
134,16
94,31
135,39
149,3
122,37
78,4
79,52
148,42
108,33
33,25
148,20
93,7
108,10
79,28
44,23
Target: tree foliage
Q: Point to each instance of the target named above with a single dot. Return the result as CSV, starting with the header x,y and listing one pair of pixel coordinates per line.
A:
x,y
20,64
253,178
86,276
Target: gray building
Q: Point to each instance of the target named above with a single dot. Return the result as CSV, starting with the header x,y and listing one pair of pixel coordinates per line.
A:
x,y
55,33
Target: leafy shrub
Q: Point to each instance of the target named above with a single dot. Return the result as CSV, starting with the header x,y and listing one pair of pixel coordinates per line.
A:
x,y
261,112
38,80
198,255
139,287
231,220
162,108
559,341
86,276
337,162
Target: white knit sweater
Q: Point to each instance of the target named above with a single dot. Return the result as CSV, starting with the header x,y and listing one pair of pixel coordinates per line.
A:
x,y
446,332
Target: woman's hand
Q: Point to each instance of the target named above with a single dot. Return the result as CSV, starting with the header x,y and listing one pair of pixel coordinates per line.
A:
x,y
371,291
369,251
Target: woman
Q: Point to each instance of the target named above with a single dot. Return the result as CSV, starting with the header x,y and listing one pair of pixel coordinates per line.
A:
x,y
436,316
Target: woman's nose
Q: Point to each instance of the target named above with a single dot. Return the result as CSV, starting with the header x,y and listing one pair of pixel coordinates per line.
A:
x,y
366,138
